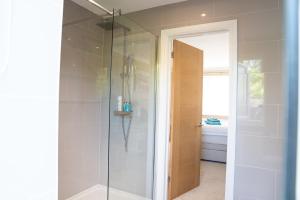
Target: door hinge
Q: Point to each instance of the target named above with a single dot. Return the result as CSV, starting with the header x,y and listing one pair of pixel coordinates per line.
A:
x,y
172,54
169,179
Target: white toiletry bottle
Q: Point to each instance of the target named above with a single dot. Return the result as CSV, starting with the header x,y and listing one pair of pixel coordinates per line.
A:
x,y
120,103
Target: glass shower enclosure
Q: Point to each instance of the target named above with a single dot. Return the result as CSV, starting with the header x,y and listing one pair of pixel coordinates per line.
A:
x,y
107,107
132,110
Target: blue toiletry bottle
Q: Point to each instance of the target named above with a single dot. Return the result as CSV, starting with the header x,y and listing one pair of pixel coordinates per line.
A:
x,y
127,107
124,106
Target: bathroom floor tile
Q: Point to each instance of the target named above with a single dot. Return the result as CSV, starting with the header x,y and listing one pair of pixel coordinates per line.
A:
x,y
212,183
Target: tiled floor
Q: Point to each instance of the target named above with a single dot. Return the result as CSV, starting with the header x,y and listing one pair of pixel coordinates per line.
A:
x,y
212,183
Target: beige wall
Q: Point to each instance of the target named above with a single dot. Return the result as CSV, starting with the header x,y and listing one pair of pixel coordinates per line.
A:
x,y
258,172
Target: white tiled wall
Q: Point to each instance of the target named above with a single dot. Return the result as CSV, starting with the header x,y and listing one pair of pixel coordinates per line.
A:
x,y
260,121
29,90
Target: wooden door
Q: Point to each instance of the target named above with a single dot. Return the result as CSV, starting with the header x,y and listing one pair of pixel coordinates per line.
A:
x,y
186,117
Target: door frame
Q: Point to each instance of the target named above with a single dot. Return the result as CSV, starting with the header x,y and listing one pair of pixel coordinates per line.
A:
x,y
164,99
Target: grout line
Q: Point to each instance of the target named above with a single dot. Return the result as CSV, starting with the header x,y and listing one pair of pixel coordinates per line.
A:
x,y
275,183
242,41
213,8
267,105
278,121
260,41
255,167
272,73
259,136
80,101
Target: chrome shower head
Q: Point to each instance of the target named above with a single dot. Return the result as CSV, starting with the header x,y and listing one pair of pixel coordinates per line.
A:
x,y
106,24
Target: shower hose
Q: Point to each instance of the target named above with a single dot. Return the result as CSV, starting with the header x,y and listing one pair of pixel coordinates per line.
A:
x,y
130,71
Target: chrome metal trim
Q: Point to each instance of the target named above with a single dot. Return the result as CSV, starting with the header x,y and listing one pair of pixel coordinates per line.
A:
x,y
101,7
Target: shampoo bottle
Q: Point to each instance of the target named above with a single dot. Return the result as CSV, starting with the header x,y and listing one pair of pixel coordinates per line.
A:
x,y
120,104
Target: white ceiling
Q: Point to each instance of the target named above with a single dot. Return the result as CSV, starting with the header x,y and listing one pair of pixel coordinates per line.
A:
x,y
127,6
215,48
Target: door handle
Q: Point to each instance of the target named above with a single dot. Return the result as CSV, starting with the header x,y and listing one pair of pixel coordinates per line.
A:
x,y
200,125
6,37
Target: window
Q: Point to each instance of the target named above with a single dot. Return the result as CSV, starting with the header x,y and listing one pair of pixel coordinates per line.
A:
x,y
216,94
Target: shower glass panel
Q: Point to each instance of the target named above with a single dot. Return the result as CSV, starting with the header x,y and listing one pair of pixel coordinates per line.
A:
x,y
84,92
107,107
132,112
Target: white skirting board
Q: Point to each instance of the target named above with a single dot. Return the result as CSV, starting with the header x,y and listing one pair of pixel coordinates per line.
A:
x,y
98,192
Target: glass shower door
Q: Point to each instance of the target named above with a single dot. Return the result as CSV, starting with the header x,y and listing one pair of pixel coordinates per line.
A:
x,y
132,112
